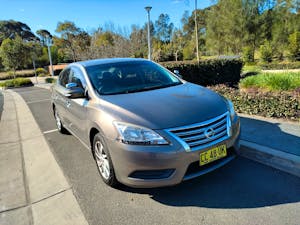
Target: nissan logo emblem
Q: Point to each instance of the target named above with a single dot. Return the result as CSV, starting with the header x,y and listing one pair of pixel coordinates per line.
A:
x,y
209,133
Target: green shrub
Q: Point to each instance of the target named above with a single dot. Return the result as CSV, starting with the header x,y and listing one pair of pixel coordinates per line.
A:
x,y
50,80
272,81
266,52
248,54
267,104
208,72
18,82
41,72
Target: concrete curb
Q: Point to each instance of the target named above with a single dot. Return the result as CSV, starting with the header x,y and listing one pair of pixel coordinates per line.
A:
x,y
48,197
45,86
286,162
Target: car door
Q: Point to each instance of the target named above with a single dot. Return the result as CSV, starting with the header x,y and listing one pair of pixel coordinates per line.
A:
x,y
59,98
77,107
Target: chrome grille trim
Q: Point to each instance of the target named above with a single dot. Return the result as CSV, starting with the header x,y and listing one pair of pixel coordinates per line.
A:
x,y
193,137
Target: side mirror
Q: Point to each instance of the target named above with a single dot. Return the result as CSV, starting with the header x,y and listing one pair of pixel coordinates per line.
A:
x,y
176,72
73,91
71,85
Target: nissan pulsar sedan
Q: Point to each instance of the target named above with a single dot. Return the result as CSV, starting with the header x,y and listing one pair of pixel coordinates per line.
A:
x,y
145,126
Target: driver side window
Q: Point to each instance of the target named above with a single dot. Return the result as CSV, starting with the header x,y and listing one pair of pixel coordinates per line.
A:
x,y
77,77
64,77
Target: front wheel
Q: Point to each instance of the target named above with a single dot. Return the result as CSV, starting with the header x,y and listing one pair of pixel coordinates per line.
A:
x,y
103,161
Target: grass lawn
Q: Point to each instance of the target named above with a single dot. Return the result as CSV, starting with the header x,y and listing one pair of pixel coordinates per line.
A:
x,y
284,81
251,69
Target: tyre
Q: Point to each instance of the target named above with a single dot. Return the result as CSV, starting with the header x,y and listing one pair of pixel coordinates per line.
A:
x,y
103,161
59,125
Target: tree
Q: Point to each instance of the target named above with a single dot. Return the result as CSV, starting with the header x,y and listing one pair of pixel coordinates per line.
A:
x,y
294,46
178,44
11,29
73,40
286,21
138,42
266,52
14,54
44,35
225,27
163,28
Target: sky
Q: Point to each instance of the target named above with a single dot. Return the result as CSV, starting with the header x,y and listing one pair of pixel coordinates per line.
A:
x,y
91,14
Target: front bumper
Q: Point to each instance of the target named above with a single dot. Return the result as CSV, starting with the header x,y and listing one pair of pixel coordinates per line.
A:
x,y
166,165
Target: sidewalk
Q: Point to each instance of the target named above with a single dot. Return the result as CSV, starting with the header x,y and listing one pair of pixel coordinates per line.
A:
x,y
33,189
272,142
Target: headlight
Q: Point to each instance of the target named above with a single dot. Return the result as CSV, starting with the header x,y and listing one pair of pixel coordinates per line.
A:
x,y
137,135
231,109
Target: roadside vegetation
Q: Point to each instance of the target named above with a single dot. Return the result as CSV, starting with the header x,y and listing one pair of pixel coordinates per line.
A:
x,y
41,72
50,80
281,104
17,82
274,95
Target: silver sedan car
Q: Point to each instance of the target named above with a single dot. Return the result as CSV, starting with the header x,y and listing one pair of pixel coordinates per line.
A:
x,y
145,126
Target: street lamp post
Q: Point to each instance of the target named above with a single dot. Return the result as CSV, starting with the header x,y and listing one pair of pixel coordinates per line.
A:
x,y
148,8
49,43
196,32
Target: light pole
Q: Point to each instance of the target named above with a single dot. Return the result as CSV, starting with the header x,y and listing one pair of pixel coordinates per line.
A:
x,y
148,8
49,43
196,32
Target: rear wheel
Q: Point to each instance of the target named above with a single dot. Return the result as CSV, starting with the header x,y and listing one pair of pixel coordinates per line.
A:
x,y
59,125
103,161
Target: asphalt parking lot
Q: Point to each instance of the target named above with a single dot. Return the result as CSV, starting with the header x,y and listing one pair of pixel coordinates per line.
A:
x,y
242,192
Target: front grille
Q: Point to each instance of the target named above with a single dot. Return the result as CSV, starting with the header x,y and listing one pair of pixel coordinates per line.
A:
x,y
201,135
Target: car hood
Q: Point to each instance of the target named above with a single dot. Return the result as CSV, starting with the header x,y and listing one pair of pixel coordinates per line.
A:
x,y
165,108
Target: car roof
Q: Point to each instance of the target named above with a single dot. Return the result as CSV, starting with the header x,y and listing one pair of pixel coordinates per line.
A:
x,y
107,61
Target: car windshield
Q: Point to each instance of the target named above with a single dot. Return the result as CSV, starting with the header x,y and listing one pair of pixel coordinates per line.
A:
x,y
129,77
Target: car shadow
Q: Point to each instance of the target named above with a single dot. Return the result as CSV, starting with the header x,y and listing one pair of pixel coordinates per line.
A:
x,y
280,136
240,184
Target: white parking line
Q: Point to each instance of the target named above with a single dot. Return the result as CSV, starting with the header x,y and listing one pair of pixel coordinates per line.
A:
x,y
43,100
50,131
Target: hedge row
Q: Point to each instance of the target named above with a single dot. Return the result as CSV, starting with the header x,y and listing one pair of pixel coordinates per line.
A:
x,y
208,72
21,73
18,82
267,104
280,65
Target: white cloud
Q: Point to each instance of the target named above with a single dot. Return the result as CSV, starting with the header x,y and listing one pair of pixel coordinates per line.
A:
x,y
176,1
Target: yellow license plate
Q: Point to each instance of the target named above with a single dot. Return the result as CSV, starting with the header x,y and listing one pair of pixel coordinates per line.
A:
x,y
212,154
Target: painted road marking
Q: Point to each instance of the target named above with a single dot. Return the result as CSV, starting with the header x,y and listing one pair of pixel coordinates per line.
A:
x,y
50,131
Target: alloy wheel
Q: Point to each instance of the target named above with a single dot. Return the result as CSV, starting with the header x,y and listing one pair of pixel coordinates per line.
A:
x,y
102,160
